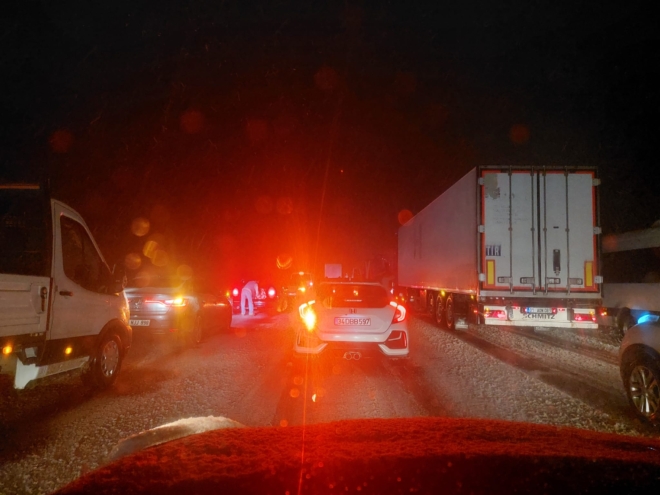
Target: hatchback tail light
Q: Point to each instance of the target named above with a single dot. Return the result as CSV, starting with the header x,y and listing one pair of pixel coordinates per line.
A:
x,y
308,315
399,312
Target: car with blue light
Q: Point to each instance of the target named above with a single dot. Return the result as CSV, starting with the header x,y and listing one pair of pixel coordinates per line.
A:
x,y
639,363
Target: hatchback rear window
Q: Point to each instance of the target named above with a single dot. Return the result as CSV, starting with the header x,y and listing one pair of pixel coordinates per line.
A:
x,y
352,296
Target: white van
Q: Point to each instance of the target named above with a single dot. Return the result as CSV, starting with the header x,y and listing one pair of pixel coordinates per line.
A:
x,y
61,308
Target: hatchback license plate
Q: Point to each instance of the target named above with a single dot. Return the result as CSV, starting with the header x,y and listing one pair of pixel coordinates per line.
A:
x,y
353,322
139,323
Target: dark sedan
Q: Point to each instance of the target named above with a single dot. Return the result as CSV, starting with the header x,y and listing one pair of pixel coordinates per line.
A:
x,y
185,310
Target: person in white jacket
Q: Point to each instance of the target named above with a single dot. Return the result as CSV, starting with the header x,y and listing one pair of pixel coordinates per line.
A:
x,y
248,293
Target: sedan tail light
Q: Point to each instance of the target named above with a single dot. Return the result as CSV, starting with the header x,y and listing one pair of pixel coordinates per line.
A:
x,y
271,292
399,312
179,302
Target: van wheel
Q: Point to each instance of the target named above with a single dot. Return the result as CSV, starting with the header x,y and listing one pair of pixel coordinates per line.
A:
x,y
106,363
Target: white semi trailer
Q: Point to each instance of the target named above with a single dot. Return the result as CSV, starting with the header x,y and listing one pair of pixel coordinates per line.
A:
x,y
512,246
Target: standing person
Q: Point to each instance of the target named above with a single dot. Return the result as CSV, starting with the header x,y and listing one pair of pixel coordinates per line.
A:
x,y
249,292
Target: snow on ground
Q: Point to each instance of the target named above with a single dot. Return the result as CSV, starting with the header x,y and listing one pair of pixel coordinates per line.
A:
x,y
51,434
61,432
476,384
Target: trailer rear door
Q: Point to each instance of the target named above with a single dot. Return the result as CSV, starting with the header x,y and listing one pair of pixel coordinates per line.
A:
x,y
539,231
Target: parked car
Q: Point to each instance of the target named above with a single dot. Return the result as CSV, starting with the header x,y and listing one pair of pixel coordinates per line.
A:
x,y
352,320
187,310
296,287
639,358
266,299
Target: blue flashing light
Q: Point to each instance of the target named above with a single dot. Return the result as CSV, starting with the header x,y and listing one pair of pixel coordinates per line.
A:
x,y
648,318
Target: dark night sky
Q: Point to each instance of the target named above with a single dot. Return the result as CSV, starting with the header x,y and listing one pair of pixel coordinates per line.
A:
x,y
223,123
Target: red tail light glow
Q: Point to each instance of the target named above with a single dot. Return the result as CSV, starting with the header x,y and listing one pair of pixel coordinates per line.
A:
x,y
179,302
584,317
234,292
308,315
271,292
500,314
399,313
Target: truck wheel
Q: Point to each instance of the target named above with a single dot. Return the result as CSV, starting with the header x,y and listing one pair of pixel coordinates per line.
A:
x,y
105,364
624,321
450,319
439,311
430,304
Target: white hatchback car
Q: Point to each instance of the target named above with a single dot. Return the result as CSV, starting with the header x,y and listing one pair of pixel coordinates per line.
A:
x,y
352,320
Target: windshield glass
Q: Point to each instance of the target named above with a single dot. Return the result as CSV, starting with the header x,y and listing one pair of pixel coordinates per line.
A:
x,y
352,296
443,176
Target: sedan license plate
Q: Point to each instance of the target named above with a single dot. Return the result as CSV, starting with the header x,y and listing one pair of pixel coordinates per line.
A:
x,y
353,322
544,311
139,323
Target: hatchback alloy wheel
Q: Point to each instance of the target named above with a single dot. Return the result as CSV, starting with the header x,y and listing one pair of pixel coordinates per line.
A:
x,y
644,390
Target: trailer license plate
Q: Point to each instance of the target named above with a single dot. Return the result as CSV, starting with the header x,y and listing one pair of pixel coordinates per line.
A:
x,y
543,311
353,322
139,323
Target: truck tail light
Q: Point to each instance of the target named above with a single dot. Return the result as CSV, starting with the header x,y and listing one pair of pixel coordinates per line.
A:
x,y
399,312
590,317
500,314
